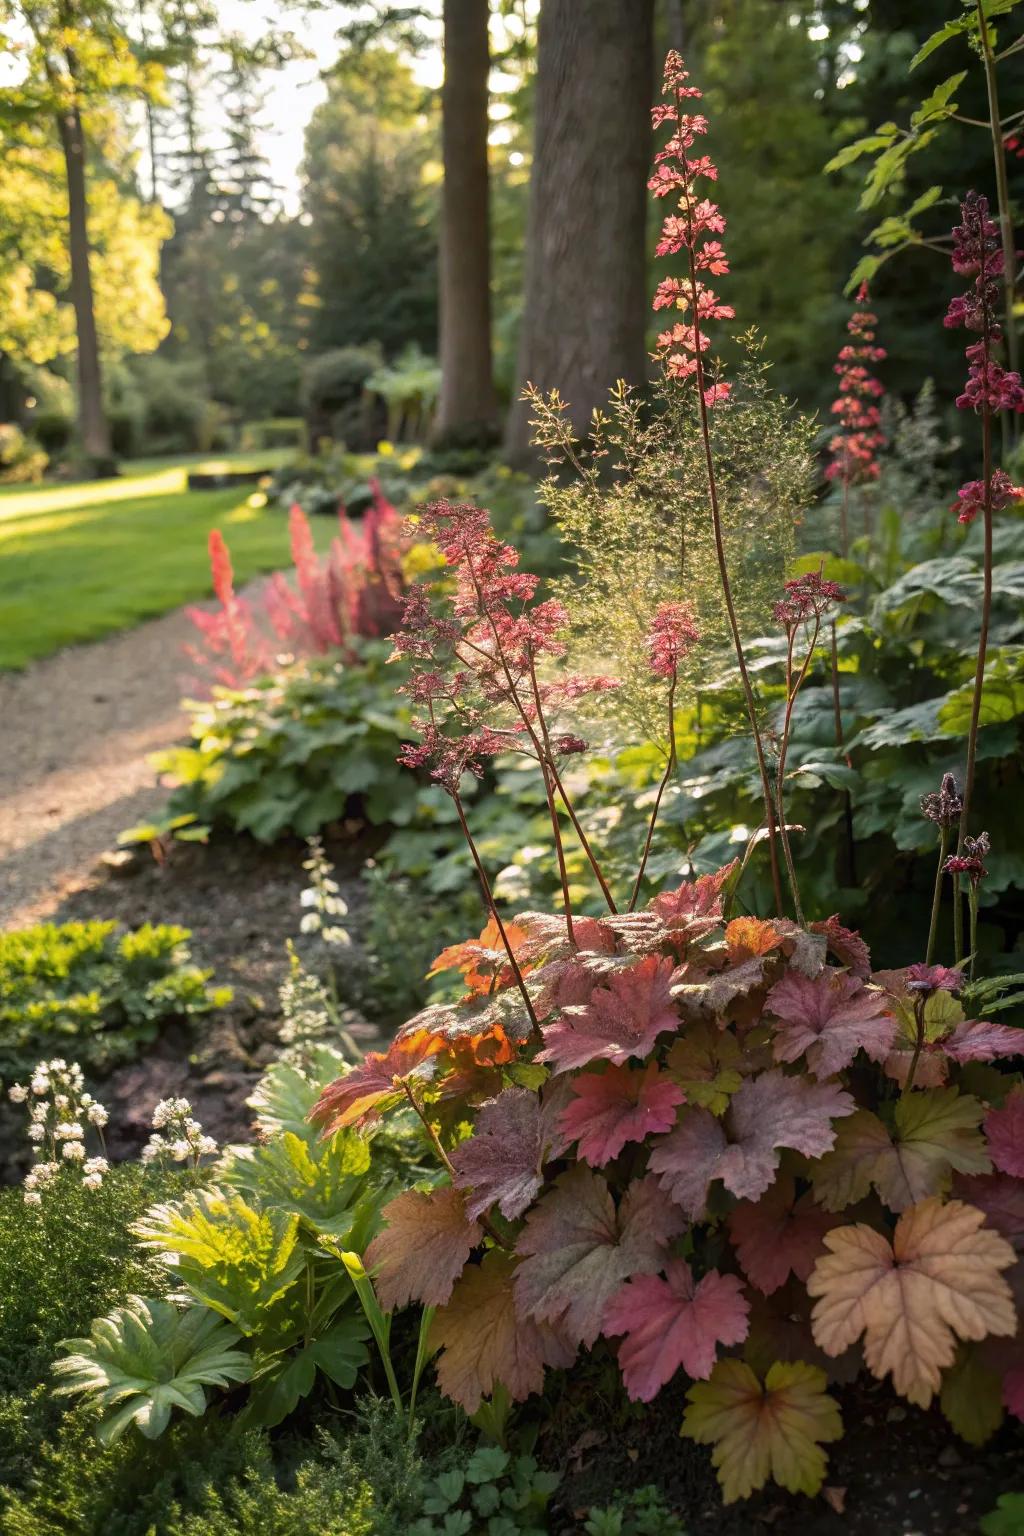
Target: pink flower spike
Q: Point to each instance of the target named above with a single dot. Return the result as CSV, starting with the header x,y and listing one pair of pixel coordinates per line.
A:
x,y
672,635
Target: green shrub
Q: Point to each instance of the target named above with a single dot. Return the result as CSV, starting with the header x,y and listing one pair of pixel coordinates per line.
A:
x,y
52,429
87,990
295,752
22,459
280,432
335,398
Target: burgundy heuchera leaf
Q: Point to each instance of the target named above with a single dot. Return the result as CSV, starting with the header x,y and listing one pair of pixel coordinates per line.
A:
x,y
769,1112
829,1020
618,1105
502,1162
1004,1129
779,1235
622,1019
578,1249
671,1322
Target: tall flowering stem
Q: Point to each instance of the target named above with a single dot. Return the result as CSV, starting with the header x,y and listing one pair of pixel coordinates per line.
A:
x,y
855,446
806,602
1002,185
944,807
672,636
682,346
990,389
837,718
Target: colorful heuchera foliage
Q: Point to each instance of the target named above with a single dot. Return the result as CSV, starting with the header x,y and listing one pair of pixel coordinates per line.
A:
x,y
722,1147
355,590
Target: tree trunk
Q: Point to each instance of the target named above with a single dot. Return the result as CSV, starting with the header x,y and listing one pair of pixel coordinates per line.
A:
x,y
467,402
586,310
92,421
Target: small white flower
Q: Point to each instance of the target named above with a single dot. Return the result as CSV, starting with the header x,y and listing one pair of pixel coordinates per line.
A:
x,y
207,1146
307,898
61,1100
36,1132
180,1150
31,1197
193,1128
96,1165
73,1151
69,1130
310,923
17,1093
97,1115
39,1112
31,1180
92,1181
153,1148
40,1085
335,936
85,1100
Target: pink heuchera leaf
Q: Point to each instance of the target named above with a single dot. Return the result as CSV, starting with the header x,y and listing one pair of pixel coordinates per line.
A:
x,y
622,1019
829,1020
578,1249
502,1162
1004,1129
846,945
1000,1196
769,1112
618,1105
779,1235
982,1040
671,1322
700,898
424,1248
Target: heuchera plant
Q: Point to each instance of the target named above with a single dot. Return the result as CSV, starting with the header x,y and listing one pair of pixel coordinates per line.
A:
x,y
354,591
718,1146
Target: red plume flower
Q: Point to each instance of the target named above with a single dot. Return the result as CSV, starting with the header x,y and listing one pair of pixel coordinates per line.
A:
x,y
855,447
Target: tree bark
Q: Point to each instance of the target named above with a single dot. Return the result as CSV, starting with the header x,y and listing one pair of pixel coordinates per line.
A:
x,y
585,309
92,421
467,401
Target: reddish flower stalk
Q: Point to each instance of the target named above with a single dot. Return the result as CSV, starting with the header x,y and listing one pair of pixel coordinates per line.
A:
x,y
808,599
681,347
854,448
672,635
943,807
990,389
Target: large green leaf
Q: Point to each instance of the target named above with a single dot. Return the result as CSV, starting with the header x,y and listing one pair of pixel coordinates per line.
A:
x,y
147,1357
228,1254
285,1094
320,1183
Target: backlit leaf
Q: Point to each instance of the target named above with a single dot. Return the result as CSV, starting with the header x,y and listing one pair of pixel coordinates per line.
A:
x,y
578,1249
846,945
623,1018
671,1322
359,1096
828,1020
484,1342
767,1113
939,1281
618,1105
759,1432
423,1249
502,1162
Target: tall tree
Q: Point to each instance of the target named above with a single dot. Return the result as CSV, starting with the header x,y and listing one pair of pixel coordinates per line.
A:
x,y
78,56
467,401
585,308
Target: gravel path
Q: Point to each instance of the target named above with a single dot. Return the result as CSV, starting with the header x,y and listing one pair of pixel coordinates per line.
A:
x,y
75,732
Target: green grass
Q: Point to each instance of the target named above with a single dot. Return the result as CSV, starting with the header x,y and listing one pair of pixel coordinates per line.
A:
x,y
79,561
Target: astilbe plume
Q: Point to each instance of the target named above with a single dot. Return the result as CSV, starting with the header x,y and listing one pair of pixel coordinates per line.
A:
x,y
355,591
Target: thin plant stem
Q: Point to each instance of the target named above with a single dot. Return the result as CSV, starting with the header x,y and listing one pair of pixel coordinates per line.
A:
x,y
446,1161
837,716
723,568
958,921
1002,196
669,770
844,520
583,840
489,901
792,689
972,906
986,609
918,1043
933,926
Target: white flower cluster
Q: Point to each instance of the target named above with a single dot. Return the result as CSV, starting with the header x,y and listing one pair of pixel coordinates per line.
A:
x,y
322,898
59,1111
176,1134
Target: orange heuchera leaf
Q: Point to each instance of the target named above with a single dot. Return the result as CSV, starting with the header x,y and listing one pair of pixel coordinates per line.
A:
x,y
618,1105
578,1249
483,961
939,1281
775,1431
622,1019
423,1249
502,1162
1005,1131
750,936
829,1019
484,1342
356,1098
934,1132
670,1322
767,1113
779,1235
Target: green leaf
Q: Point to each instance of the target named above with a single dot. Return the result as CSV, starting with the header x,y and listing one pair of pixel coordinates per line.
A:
x,y
1007,1519
943,35
285,1094
320,1182
938,105
149,1357
487,1464
341,1352
972,1397
865,146
281,1388
231,1256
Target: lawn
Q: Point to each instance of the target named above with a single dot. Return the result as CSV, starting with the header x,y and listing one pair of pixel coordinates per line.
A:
x,y
78,561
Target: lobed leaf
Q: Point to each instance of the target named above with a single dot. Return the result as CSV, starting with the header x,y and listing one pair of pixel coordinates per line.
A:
x,y
623,1018
423,1248
616,1106
671,1322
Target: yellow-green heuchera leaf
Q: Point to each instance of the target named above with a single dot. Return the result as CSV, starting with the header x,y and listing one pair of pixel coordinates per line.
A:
x,y
775,1430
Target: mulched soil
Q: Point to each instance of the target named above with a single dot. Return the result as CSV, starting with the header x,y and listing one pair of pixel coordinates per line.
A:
x,y
898,1471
